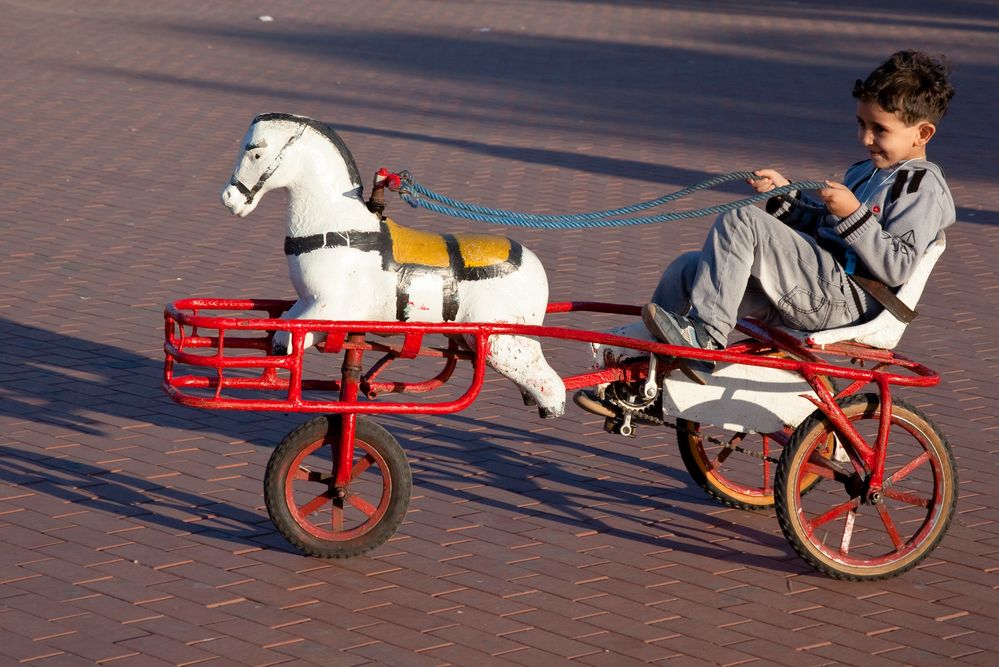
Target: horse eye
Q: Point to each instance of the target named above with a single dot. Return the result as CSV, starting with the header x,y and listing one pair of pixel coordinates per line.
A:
x,y
256,156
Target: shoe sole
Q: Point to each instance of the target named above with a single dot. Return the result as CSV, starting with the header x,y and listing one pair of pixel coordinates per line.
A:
x,y
592,404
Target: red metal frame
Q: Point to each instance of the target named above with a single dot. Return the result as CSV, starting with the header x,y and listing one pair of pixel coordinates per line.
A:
x,y
204,334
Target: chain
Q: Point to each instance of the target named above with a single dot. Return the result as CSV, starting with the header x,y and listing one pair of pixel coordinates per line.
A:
x,y
642,415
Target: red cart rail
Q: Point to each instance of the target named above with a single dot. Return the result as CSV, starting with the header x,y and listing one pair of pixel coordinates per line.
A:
x,y
198,338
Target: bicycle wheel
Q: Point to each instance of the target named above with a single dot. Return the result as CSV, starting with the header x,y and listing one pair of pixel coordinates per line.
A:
x,y
842,529
304,506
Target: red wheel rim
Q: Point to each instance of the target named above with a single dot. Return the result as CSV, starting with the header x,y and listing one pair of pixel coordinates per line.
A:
x,y
751,485
716,468
312,501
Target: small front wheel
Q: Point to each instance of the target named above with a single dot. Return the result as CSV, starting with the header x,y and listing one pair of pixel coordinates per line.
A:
x,y
309,512
841,527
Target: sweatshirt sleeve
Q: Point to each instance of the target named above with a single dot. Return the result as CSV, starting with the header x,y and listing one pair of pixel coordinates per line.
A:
x,y
890,248
797,211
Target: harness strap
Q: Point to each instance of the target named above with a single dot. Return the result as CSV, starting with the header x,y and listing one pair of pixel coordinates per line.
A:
x,y
876,289
299,245
886,297
251,193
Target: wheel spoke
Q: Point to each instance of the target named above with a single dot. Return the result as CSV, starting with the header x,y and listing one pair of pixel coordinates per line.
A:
x,y
835,512
908,468
361,466
844,543
314,504
303,474
336,516
907,497
362,504
819,466
890,526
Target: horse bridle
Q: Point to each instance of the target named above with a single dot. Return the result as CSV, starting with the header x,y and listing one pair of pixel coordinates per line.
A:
x,y
250,193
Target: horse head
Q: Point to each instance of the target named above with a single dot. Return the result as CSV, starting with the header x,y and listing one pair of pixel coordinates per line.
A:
x,y
275,153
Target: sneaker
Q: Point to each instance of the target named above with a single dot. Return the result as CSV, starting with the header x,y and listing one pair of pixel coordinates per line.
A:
x,y
682,331
677,329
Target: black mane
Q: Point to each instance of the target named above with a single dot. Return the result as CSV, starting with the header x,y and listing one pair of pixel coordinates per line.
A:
x,y
330,134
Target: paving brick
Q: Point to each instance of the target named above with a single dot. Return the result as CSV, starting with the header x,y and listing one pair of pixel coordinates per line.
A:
x,y
168,649
243,651
318,654
93,649
96,625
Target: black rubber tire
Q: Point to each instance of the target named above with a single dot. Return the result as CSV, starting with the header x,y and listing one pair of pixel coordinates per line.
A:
x,y
919,497
377,497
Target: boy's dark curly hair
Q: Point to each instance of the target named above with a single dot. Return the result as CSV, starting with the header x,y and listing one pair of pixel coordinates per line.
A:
x,y
911,83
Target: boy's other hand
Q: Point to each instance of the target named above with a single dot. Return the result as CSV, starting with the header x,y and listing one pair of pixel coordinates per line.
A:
x,y
767,180
838,198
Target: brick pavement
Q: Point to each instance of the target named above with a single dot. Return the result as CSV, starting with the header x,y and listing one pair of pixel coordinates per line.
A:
x,y
133,530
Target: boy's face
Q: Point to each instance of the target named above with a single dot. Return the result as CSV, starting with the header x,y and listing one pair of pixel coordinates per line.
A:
x,y
887,138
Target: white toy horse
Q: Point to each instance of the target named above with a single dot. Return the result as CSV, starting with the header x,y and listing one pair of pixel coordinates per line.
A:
x,y
347,263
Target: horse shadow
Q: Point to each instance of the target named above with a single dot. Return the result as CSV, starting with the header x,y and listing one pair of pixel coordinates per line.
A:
x,y
89,389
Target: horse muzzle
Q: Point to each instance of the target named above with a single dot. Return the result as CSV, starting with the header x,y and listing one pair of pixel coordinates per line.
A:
x,y
238,200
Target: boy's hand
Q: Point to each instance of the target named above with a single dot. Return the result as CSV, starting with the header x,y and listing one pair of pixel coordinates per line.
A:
x,y
838,198
767,180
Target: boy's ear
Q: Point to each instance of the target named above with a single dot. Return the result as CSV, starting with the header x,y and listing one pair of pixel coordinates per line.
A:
x,y
926,132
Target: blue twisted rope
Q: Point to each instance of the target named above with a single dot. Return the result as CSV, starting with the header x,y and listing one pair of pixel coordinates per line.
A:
x,y
419,196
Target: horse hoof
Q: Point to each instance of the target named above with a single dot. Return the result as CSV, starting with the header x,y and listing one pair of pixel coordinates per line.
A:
x,y
551,413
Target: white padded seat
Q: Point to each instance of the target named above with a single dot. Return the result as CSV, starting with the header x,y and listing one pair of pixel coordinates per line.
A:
x,y
885,330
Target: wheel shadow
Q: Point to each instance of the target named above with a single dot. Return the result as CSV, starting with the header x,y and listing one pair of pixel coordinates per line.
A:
x,y
492,469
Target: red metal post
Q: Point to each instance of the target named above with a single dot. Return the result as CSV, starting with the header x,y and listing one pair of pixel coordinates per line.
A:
x,y
349,390
884,429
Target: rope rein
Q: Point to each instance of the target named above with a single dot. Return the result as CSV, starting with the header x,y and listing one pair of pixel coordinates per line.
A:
x,y
420,196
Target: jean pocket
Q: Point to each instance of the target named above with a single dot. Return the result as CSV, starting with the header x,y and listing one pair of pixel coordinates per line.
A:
x,y
805,310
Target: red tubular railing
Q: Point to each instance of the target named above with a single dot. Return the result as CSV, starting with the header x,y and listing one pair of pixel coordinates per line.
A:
x,y
186,321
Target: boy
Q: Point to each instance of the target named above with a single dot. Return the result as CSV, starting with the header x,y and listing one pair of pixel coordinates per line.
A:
x,y
817,265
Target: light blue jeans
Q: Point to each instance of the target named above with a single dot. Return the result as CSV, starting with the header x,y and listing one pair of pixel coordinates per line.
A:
x,y
754,265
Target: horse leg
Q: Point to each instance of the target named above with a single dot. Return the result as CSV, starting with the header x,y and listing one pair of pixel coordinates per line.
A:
x,y
302,310
521,360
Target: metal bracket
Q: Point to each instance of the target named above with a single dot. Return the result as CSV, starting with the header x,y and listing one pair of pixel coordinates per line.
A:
x,y
651,388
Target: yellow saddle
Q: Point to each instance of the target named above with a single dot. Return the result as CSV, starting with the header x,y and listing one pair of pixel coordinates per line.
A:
x,y
468,256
